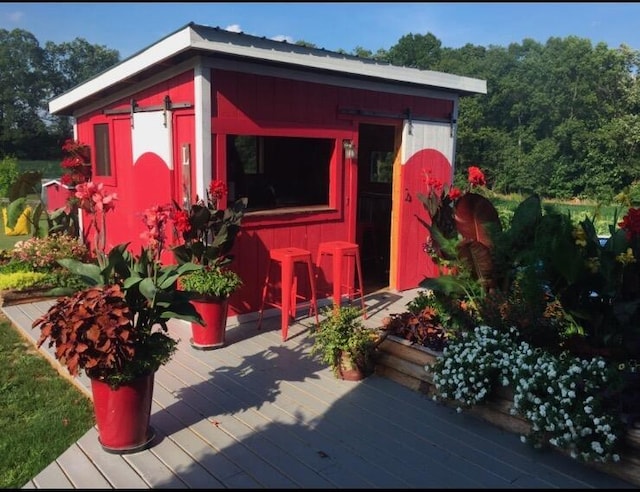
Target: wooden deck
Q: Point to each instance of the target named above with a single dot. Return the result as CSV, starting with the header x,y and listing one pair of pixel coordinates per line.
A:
x,y
260,413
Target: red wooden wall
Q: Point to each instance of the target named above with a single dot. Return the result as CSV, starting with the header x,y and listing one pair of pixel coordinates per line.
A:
x,y
254,105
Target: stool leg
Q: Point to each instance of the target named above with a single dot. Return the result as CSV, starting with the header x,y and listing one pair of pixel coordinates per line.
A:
x,y
287,280
293,309
314,300
360,283
337,280
264,295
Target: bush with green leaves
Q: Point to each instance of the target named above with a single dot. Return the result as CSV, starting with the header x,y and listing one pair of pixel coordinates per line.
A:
x,y
43,253
342,330
9,173
22,280
211,281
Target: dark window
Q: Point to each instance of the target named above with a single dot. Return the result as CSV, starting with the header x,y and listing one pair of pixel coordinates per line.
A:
x,y
102,153
276,172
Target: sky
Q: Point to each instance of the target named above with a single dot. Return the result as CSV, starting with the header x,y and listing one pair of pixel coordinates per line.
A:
x,y
130,27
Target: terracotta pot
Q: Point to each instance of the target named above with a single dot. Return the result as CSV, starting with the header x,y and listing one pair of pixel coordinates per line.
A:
x,y
211,335
349,370
123,414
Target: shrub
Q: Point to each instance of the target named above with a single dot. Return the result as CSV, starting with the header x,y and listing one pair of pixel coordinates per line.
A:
x,y
8,174
44,253
22,280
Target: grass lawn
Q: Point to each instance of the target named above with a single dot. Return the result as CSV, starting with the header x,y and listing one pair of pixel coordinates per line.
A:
x,y
42,413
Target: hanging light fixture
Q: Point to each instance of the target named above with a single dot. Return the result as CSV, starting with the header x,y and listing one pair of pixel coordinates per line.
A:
x,y
349,149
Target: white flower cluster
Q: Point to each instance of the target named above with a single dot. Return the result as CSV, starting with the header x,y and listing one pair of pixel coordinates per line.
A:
x,y
560,396
473,364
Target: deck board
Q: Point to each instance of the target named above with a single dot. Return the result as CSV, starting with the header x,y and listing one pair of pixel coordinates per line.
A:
x,y
262,413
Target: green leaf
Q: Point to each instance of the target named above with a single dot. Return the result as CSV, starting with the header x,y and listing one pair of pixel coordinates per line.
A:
x,y
90,273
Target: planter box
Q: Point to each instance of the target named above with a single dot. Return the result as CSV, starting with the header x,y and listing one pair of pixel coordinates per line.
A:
x,y
403,362
11,297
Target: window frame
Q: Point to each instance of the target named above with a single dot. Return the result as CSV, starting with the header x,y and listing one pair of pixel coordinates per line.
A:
x,y
333,211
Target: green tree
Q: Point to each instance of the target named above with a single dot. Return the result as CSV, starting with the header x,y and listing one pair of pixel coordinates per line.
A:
x,y
69,64
23,90
416,50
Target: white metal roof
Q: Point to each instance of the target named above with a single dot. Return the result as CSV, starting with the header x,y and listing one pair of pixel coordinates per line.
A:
x,y
213,41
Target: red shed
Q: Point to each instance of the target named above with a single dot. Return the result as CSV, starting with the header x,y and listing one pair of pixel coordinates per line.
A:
x,y
326,146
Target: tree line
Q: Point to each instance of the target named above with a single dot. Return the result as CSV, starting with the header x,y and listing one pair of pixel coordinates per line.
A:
x,y
559,118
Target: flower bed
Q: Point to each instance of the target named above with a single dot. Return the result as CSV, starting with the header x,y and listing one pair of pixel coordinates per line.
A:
x,y
404,362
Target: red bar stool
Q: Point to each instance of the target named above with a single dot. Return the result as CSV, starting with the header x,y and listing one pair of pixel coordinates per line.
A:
x,y
339,251
287,258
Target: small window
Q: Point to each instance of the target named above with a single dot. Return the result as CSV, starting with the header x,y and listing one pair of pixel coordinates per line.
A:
x,y
102,149
277,172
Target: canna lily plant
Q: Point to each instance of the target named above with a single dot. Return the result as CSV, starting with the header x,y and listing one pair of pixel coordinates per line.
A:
x,y
116,329
207,235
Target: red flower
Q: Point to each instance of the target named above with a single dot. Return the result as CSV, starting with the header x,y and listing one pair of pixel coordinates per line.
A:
x,y
454,193
93,199
155,218
476,176
631,223
181,221
217,189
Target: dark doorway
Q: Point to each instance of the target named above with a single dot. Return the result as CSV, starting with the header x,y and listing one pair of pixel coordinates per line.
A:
x,y
376,154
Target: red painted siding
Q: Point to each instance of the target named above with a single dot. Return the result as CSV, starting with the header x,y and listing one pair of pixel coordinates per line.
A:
x,y
148,181
251,105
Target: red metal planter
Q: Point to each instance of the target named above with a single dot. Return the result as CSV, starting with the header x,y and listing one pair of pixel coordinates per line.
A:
x,y
214,313
123,415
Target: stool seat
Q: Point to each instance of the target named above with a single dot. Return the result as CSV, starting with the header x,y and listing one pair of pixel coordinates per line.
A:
x,y
339,251
287,258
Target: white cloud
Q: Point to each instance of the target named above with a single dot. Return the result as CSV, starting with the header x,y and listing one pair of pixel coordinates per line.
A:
x,y
282,37
233,28
15,17
279,37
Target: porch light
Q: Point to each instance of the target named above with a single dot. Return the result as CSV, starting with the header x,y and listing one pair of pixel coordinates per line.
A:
x,y
349,149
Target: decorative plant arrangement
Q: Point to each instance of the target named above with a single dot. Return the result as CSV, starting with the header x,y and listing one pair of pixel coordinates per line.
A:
x,y
540,304
208,234
116,328
32,265
424,323
344,343
212,280
565,398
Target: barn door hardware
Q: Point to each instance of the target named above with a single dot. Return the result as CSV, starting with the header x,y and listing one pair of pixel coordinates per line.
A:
x,y
406,114
166,105
132,109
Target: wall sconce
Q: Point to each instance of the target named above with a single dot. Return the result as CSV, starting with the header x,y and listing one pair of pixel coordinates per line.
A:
x,y
349,149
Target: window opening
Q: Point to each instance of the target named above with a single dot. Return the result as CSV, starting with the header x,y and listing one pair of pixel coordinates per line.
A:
x,y
277,172
102,150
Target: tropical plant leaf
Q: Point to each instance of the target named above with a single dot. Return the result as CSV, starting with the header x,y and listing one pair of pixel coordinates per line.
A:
x,y
14,211
476,217
478,258
90,273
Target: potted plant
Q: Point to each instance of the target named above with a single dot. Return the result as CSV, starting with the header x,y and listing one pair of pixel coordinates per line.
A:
x,y
208,234
345,344
211,287
115,329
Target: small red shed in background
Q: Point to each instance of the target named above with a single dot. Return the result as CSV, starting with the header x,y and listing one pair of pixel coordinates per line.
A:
x,y
325,146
